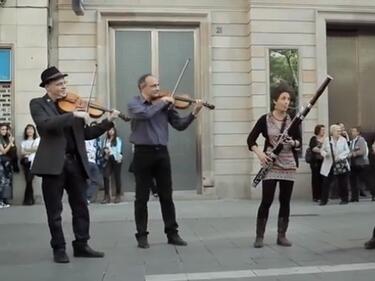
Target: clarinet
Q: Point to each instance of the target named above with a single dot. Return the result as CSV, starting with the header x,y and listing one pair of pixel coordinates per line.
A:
x,y
302,113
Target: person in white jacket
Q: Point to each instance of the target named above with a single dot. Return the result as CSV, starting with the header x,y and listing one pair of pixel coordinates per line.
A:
x,y
338,146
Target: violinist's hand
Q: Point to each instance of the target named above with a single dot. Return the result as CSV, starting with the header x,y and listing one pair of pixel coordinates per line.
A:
x,y
167,99
82,114
113,115
198,106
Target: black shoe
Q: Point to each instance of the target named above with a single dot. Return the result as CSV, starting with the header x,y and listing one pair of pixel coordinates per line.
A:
x,y
354,200
373,198
143,242
83,250
60,256
369,245
322,203
175,239
343,202
28,202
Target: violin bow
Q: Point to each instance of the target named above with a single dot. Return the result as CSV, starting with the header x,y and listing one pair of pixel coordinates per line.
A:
x,y
178,81
92,87
180,77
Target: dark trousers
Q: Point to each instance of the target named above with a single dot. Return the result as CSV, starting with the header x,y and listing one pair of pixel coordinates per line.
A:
x,y
316,181
154,189
29,191
74,182
358,176
370,173
268,193
94,182
342,185
6,179
112,167
153,162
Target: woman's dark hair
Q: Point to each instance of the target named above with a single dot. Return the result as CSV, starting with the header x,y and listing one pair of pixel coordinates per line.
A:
x,y
282,88
35,135
318,128
5,124
4,140
114,140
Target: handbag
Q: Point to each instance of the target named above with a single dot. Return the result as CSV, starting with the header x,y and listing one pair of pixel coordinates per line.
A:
x,y
340,167
308,155
100,159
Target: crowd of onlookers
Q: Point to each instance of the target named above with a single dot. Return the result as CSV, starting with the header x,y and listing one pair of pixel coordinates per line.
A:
x,y
8,164
342,164
104,154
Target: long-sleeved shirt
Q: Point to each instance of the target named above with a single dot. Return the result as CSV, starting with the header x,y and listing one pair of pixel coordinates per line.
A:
x,y
340,150
29,147
149,123
359,151
115,150
91,150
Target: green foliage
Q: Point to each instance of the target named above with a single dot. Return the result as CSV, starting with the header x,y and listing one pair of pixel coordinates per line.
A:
x,y
284,68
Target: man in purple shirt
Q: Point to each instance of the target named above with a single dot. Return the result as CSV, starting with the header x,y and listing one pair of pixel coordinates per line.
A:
x,y
151,161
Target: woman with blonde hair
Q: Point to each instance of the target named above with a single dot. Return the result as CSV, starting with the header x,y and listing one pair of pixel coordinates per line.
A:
x,y
335,152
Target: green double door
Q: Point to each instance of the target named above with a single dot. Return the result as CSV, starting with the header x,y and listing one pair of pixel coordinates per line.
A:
x,y
162,52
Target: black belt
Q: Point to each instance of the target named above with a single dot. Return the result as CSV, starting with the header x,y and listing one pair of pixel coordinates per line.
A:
x,y
150,147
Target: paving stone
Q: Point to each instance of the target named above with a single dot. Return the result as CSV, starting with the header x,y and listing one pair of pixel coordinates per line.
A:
x,y
220,234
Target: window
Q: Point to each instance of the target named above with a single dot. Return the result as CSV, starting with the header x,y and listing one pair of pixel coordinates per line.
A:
x,y
284,69
5,65
5,85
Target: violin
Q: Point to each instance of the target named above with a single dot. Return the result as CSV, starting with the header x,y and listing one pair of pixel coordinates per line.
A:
x,y
73,102
183,101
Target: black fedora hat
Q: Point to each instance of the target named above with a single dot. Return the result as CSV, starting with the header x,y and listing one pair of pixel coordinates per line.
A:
x,y
50,74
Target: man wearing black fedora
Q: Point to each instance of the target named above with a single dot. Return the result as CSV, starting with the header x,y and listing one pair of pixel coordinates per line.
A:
x,y
61,161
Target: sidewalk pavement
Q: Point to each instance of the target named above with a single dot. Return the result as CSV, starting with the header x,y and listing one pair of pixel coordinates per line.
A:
x,y
327,244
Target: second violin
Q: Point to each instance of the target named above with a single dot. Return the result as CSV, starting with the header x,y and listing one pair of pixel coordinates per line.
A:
x,y
183,101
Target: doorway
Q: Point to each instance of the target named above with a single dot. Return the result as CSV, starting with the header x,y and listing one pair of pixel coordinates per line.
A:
x,y
351,61
163,52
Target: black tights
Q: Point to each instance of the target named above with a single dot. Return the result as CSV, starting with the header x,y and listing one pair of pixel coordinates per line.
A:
x,y
113,167
268,192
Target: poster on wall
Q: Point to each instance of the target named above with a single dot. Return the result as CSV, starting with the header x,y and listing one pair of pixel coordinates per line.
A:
x,y
5,65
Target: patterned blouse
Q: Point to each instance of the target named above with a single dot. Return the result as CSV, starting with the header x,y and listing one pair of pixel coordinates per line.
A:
x,y
284,167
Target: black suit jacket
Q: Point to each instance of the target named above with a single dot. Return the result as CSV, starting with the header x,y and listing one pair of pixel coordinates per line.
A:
x,y
50,156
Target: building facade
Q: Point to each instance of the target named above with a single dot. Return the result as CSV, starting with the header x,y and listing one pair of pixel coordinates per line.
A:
x,y
235,49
